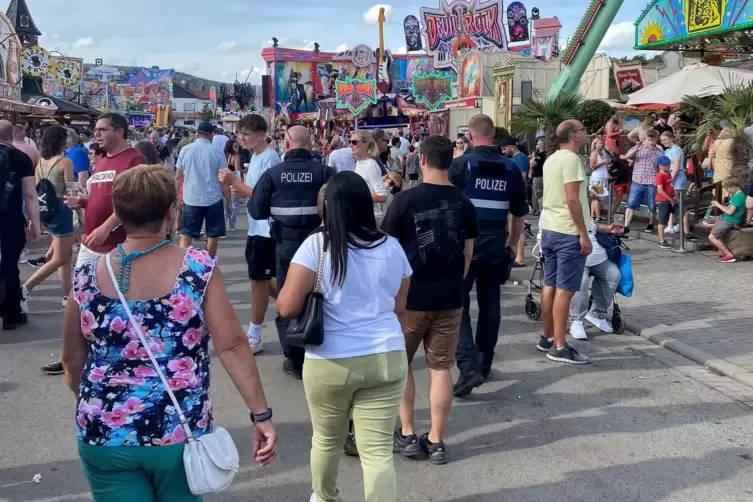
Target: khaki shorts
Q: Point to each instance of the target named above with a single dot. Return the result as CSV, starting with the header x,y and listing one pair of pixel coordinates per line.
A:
x,y
439,331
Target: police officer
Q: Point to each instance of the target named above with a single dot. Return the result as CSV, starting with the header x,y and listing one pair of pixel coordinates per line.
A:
x,y
496,187
287,193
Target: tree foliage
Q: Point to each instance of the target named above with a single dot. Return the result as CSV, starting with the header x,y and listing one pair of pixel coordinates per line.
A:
x,y
207,113
547,114
595,114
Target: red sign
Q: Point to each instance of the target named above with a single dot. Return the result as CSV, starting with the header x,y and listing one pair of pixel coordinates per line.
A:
x,y
629,78
462,103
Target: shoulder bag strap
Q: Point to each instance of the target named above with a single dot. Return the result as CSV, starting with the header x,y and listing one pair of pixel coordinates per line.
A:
x,y
153,359
51,168
320,263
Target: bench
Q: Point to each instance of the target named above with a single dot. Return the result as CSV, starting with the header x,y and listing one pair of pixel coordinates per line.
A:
x,y
740,243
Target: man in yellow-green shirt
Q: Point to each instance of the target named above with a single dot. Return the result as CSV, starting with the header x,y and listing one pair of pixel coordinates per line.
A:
x,y
565,243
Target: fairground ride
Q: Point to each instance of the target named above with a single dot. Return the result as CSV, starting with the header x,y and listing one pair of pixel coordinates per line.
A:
x,y
583,45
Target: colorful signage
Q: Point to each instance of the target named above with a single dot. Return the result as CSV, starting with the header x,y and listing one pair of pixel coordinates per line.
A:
x,y
471,71
517,22
10,61
674,23
431,89
356,94
127,89
64,78
412,30
460,26
629,78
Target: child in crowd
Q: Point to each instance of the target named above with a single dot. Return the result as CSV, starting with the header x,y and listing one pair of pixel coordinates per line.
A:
x,y
666,199
733,214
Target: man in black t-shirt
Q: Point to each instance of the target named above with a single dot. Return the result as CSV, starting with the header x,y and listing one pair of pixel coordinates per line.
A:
x,y
162,150
436,225
661,124
18,187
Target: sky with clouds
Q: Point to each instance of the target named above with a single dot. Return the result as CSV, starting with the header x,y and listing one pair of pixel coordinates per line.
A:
x,y
216,39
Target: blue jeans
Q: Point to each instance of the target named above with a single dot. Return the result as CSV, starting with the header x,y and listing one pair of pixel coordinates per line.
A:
x,y
476,355
233,218
639,193
606,279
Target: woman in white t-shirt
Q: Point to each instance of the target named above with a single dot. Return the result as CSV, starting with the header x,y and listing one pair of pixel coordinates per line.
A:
x,y
362,145
361,367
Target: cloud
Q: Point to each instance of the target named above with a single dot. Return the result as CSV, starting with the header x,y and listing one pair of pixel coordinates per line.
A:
x,y
82,43
371,16
341,48
226,46
402,50
292,43
620,36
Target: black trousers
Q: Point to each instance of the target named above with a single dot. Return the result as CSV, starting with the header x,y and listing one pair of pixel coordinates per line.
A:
x,y
285,252
12,242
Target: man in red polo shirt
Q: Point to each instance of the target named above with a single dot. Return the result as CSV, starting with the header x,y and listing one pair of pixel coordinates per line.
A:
x,y
102,231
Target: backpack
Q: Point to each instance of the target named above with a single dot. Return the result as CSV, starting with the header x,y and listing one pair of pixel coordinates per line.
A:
x,y
48,198
7,183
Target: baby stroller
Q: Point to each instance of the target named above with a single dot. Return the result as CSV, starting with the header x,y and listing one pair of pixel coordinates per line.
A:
x,y
536,283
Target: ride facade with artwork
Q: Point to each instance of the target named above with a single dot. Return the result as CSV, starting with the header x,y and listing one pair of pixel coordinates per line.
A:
x,y
127,90
302,83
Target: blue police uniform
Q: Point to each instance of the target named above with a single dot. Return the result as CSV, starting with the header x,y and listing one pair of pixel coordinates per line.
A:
x,y
287,193
496,188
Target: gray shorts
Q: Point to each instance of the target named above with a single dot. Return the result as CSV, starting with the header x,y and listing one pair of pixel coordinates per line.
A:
x,y
721,226
538,188
563,263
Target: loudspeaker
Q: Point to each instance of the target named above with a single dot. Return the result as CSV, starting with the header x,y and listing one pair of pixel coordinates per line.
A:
x,y
265,91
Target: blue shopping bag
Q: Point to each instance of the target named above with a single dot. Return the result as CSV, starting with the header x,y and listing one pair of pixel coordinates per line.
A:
x,y
626,281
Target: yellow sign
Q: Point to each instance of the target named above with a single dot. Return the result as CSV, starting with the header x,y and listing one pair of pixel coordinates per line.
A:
x,y
703,15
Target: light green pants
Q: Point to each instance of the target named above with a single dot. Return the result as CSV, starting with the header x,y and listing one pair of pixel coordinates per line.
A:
x,y
136,473
371,387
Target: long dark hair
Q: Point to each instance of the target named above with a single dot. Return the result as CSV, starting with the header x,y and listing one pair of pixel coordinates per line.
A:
x,y
53,142
348,221
149,151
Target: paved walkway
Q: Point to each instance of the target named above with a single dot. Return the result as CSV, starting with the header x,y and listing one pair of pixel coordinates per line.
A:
x,y
693,300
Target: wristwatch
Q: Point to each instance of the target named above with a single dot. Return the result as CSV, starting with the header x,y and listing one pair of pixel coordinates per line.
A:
x,y
257,418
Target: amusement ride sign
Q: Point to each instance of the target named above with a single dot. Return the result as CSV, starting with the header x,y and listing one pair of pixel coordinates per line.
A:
x,y
431,89
356,94
460,26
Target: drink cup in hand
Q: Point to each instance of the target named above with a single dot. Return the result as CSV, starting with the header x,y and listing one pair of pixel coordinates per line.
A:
x,y
72,188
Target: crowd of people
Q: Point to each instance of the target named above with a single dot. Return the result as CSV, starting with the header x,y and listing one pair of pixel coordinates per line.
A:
x,y
395,265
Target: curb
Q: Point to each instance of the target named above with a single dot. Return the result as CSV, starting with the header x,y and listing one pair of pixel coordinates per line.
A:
x,y
718,365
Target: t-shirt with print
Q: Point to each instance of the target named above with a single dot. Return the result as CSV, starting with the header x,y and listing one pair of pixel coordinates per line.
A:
x,y
563,166
737,200
99,205
432,223
359,316
664,180
260,163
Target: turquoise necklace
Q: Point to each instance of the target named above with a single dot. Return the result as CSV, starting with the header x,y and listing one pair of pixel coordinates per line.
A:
x,y
124,274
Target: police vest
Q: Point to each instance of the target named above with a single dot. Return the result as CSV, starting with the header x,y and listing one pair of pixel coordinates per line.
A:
x,y
490,187
293,202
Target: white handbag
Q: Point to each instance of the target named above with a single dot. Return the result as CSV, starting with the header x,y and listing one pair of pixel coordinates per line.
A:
x,y
211,460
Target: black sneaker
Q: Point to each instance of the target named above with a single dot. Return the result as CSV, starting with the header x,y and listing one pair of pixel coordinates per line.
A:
x,y
10,324
649,229
486,372
691,238
436,451
350,448
407,446
289,369
665,245
545,344
566,354
466,383
37,262
55,368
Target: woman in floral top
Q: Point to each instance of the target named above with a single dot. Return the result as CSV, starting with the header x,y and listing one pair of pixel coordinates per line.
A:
x,y
178,298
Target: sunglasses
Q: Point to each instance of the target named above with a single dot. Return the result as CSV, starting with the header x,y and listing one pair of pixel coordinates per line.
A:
x,y
354,142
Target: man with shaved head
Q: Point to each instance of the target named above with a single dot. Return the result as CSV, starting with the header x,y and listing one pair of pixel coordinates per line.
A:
x,y
287,193
565,242
16,187
496,188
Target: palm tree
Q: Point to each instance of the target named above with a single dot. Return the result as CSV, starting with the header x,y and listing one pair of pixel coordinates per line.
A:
x,y
734,111
547,114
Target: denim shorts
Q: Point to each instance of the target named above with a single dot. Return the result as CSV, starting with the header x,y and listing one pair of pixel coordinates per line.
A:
x,y
642,193
61,225
194,217
563,263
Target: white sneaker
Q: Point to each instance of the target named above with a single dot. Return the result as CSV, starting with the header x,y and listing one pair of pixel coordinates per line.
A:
x,y
24,258
577,330
65,301
25,300
313,497
254,340
670,230
602,324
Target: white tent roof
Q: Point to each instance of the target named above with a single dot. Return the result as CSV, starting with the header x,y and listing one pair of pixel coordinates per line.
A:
x,y
693,80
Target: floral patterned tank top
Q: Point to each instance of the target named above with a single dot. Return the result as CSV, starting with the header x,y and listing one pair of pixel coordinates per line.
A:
x,y
122,401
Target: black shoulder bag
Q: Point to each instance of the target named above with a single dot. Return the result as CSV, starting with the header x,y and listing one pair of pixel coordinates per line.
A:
x,y
308,329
